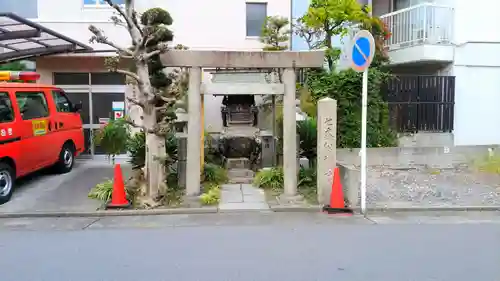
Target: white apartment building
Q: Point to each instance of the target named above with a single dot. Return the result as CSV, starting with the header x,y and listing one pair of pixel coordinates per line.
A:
x,y
457,38
198,24
444,37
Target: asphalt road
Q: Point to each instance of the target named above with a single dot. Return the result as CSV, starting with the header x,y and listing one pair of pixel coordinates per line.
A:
x,y
251,247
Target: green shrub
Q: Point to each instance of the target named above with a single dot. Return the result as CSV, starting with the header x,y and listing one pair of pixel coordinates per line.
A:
x,y
171,146
488,164
173,179
137,149
214,174
345,87
307,184
212,154
113,137
271,179
102,191
307,177
307,103
307,131
211,196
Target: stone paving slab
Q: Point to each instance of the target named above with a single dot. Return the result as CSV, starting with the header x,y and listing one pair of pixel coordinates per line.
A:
x,y
236,197
248,189
232,196
230,186
252,198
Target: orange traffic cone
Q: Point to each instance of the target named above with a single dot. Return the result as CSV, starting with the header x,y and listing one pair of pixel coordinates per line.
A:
x,y
337,204
119,196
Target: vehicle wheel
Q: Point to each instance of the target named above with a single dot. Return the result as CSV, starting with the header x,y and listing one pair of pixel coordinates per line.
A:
x,y
7,180
66,159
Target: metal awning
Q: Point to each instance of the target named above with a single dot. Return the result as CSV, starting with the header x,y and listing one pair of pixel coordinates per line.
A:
x,y
23,39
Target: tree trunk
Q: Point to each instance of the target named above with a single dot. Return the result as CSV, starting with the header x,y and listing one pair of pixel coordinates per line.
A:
x,y
156,170
155,153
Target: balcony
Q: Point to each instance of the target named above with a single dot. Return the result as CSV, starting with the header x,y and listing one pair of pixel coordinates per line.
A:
x,y
420,34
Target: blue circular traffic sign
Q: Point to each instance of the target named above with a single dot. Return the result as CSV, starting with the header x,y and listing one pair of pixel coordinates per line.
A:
x,y
362,50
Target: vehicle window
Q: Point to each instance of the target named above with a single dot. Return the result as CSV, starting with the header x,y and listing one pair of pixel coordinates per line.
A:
x,y
32,105
6,112
62,102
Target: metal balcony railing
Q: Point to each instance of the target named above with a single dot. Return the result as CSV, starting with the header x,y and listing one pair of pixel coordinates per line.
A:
x,y
425,23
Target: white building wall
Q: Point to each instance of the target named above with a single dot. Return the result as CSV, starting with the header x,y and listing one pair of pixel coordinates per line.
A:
x,y
198,24
476,66
477,70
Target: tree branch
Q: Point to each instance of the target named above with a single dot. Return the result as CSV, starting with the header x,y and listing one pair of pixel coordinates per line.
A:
x,y
99,37
158,97
129,74
135,102
128,15
118,21
133,124
152,54
161,48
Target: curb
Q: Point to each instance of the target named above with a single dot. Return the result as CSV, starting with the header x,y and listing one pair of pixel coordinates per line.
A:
x,y
215,210
112,213
317,208
233,211
297,208
432,209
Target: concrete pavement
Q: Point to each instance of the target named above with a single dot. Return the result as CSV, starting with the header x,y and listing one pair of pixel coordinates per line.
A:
x,y
47,192
238,197
251,246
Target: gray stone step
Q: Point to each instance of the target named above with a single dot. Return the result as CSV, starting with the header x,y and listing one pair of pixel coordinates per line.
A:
x,y
237,163
241,180
240,173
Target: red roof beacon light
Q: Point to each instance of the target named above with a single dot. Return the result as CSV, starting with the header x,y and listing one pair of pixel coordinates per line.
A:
x,y
28,76
25,76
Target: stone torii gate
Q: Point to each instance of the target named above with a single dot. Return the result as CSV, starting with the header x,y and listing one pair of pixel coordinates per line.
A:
x,y
196,60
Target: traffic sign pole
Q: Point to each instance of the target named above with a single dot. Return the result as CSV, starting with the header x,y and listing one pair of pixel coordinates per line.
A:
x,y
361,55
364,113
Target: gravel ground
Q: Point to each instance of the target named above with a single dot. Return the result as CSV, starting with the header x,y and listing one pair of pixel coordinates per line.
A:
x,y
424,187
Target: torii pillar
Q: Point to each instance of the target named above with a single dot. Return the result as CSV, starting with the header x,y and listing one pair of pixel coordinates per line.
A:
x,y
289,61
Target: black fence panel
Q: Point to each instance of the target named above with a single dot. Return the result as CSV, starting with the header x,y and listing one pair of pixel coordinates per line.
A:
x,y
420,103
417,103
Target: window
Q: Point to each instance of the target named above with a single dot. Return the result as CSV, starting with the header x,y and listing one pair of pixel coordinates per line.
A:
x,y
101,3
402,4
26,8
6,112
107,78
71,78
32,105
256,17
62,102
